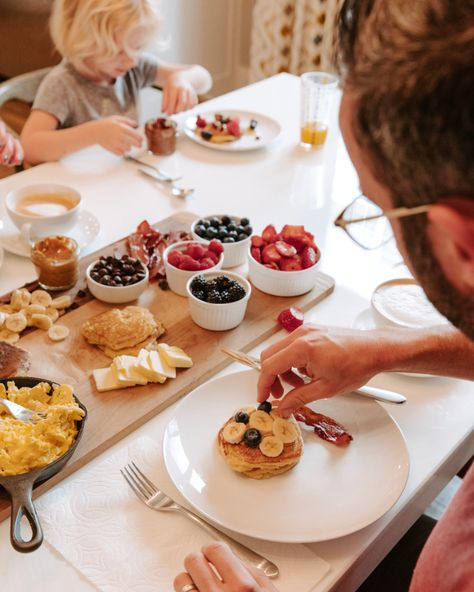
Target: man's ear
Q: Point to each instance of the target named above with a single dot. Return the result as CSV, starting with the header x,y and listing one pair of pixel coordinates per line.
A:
x,y
452,235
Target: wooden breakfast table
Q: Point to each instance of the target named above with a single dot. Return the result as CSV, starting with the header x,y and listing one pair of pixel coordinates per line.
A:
x,y
279,184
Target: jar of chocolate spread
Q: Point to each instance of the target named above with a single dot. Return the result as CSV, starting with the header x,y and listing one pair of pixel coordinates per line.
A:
x,y
161,136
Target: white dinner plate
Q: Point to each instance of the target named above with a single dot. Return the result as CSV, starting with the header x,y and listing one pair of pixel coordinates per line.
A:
x,y
403,302
267,130
330,493
84,232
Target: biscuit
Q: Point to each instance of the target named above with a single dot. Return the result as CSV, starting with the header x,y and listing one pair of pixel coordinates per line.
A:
x,y
118,329
252,462
148,343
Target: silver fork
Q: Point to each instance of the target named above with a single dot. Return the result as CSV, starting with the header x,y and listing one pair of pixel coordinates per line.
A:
x,y
149,494
163,176
22,413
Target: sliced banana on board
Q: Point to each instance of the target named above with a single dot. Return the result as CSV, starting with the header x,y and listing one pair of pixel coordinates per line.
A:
x,y
20,298
285,430
41,297
41,321
271,446
262,421
234,432
3,318
58,332
9,336
16,322
61,302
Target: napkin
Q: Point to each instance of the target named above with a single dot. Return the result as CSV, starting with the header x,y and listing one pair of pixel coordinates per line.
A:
x,y
96,522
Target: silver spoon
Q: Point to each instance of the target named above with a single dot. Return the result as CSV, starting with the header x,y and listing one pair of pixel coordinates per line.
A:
x,y
176,191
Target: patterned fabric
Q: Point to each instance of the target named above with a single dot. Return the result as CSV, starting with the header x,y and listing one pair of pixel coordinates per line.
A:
x,y
292,36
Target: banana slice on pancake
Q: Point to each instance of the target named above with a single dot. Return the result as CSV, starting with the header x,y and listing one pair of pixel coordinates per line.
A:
x,y
271,446
262,421
285,430
234,432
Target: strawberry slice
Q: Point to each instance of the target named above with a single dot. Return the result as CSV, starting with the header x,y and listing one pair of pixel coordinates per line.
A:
x,y
269,233
174,258
270,254
187,263
256,254
309,257
195,251
200,121
257,241
285,249
233,128
291,264
291,318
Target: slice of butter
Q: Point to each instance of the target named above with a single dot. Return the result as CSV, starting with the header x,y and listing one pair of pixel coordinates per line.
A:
x,y
174,356
160,365
143,364
127,370
106,380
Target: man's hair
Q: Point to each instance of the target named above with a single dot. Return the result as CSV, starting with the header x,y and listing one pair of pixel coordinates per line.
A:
x,y
410,66
82,29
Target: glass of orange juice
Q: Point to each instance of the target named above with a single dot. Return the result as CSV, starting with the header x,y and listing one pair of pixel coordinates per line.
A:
x,y
318,90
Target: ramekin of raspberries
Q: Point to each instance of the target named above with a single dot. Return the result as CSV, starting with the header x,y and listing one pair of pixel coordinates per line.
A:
x,y
186,258
283,263
218,301
232,231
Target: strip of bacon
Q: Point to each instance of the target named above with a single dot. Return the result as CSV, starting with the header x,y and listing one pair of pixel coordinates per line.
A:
x,y
324,426
148,244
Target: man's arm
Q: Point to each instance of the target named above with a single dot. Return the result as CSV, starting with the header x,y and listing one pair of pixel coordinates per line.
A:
x,y
341,360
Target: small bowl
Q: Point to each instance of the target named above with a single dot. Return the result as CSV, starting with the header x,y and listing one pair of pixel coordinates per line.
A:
x,y
234,253
177,278
218,317
115,294
281,283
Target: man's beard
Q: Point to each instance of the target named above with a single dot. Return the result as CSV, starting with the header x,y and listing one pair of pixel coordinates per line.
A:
x,y
456,307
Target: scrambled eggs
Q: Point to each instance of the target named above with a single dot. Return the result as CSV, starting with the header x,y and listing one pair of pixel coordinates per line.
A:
x,y
28,446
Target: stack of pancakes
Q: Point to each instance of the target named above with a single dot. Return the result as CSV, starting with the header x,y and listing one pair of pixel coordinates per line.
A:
x,y
123,332
251,461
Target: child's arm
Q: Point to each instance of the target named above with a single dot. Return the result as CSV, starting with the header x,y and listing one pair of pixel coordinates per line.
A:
x,y
181,85
42,140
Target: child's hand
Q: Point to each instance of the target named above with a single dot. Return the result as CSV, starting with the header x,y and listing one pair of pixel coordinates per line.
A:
x,y
178,94
117,134
11,152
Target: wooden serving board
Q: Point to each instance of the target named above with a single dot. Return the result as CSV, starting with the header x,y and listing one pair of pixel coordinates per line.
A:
x,y
114,414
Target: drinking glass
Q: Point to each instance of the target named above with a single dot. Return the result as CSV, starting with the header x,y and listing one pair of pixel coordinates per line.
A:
x,y
318,91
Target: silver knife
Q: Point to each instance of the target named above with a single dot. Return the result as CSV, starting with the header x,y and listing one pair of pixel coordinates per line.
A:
x,y
371,392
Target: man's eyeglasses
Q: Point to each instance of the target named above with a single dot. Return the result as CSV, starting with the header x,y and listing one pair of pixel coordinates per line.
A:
x,y
369,226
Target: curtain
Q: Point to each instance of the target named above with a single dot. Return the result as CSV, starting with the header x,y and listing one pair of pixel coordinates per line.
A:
x,y
292,36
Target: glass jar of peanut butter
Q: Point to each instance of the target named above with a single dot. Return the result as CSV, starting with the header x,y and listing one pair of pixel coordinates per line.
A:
x,y
56,261
161,136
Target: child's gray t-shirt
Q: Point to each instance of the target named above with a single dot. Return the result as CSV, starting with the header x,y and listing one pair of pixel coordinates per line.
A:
x,y
73,99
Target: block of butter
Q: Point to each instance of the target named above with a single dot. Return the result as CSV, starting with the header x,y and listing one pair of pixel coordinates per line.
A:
x,y
148,366
174,356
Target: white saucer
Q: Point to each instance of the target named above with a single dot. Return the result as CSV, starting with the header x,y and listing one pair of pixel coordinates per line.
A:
x,y
84,232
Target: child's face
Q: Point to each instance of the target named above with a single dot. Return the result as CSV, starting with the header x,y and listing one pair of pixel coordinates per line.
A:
x,y
111,68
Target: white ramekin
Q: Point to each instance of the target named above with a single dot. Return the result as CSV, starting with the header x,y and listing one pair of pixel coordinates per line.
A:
x,y
281,283
177,278
218,317
234,253
115,294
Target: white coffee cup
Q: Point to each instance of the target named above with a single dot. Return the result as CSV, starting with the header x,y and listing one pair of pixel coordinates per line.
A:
x,y
43,210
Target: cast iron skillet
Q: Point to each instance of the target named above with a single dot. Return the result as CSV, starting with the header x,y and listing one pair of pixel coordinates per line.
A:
x,y
20,487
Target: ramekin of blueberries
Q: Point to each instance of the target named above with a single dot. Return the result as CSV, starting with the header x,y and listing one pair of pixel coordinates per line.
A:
x,y
232,231
218,301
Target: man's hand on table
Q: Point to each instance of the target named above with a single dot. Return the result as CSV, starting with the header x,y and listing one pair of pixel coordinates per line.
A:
x,y
337,360
234,574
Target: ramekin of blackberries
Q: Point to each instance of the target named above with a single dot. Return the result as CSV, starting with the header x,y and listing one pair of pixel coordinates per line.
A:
x,y
218,301
117,278
232,231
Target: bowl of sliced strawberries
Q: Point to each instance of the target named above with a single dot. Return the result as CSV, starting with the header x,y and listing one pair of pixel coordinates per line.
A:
x,y
283,263
186,258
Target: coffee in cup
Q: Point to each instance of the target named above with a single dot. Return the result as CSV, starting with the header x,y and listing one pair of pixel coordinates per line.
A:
x,y
42,210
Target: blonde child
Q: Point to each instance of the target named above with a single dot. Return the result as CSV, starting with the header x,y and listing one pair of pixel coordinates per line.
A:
x,y
91,96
